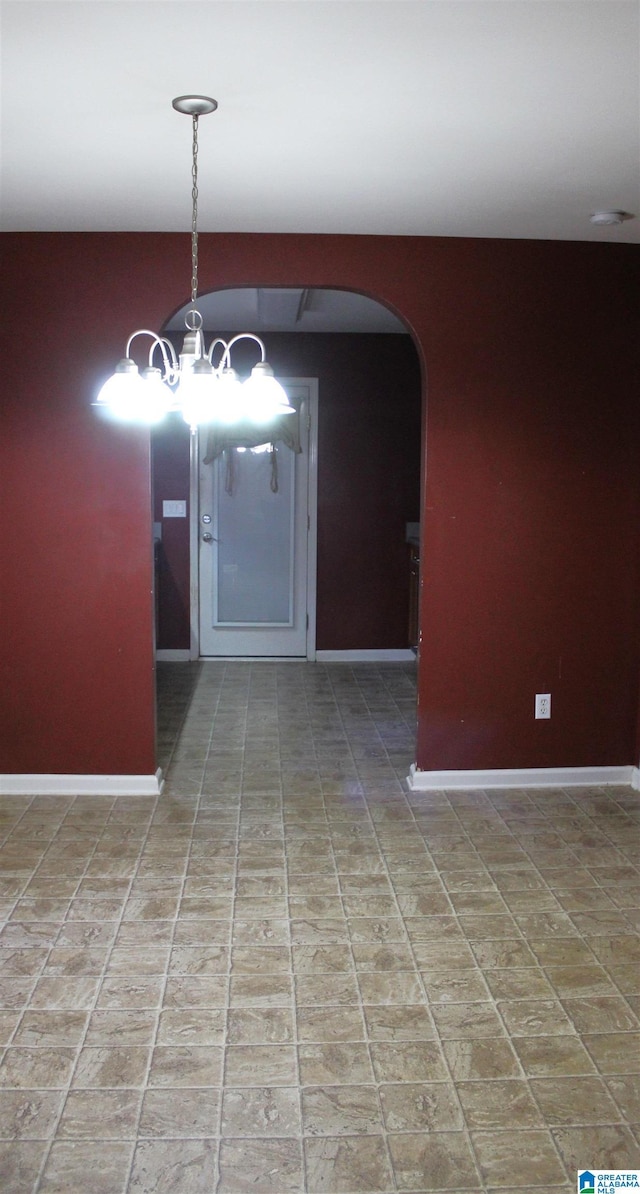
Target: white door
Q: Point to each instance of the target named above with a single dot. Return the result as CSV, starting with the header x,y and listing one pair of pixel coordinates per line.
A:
x,y
256,534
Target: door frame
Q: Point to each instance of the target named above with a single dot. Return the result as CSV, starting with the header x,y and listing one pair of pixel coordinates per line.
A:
x,y
312,530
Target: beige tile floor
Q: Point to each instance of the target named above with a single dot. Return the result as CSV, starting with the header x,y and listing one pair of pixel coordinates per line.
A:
x,y
290,974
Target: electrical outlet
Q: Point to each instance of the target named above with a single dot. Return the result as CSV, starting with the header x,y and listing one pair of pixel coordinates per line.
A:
x,y
543,705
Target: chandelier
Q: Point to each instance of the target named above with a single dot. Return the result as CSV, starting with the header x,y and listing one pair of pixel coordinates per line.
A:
x,y
201,384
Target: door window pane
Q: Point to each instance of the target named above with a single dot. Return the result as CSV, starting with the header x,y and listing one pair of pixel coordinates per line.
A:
x,y
254,582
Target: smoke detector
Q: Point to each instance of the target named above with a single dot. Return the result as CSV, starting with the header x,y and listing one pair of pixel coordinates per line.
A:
x,y
608,217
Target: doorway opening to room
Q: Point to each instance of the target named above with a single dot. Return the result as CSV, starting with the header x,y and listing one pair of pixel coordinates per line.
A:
x,y
297,552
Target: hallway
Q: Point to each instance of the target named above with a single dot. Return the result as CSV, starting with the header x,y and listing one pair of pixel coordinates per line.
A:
x,y
289,974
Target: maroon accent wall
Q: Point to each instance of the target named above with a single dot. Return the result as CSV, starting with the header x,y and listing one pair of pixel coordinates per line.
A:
x,y
369,422
76,645
531,551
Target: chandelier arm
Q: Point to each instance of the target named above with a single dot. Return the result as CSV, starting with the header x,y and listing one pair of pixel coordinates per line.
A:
x,y
173,356
169,358
142,332
247,336
224,359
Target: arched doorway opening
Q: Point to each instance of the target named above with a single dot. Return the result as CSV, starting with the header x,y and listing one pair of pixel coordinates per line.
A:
x,y
368,465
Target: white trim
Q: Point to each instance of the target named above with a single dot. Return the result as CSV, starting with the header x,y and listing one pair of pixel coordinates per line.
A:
x,y
521,777
393,655
81,785
635,778
312,514
179,655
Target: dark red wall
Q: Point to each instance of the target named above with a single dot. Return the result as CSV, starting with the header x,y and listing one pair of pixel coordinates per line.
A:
x,y
531,505
369,422
76,600
532,496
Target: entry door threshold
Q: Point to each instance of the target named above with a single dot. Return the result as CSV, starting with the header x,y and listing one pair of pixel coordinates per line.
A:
x,y
255,659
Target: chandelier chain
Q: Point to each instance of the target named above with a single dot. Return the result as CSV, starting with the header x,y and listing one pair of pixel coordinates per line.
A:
x,y
194,214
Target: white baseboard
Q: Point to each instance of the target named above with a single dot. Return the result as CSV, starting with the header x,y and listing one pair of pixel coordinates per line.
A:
x,y
81,785
395,655
170,656
523,777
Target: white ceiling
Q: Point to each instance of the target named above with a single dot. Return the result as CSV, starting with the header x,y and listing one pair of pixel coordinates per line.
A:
x,y
485,118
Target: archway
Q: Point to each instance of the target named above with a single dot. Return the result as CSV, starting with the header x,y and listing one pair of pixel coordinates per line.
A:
x,y
368,469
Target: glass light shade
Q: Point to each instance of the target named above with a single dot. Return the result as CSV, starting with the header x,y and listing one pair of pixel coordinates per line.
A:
x,y
263,397
133,397
154,398
198,394
121,393
231,397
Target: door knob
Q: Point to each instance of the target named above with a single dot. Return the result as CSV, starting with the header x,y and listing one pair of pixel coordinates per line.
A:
x,y
207,537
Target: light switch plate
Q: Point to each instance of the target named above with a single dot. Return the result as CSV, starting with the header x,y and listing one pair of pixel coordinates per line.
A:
x,y
174,509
